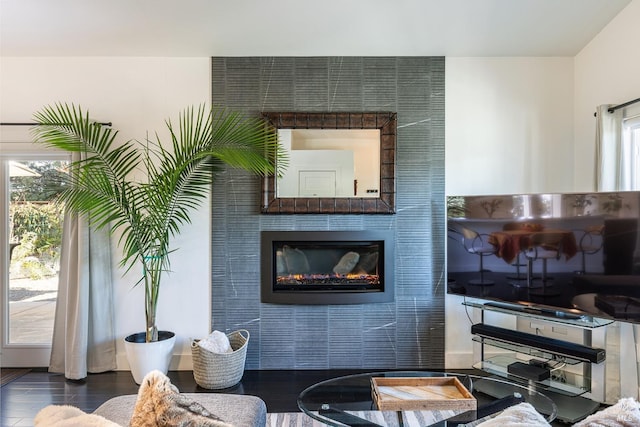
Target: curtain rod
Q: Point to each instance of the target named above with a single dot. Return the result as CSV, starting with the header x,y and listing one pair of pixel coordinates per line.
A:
x,y
617,107
39,124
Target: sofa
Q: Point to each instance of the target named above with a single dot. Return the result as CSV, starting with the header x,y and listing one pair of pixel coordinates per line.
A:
x,y
160,404
239,410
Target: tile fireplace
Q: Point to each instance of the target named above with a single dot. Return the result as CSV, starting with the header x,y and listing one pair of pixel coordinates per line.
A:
x,y
327,267
406,333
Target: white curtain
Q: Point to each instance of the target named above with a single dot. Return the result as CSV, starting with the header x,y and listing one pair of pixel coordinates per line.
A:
x,y
83,332
612,172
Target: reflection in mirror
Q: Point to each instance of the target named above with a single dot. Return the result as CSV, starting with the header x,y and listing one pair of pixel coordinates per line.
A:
x,y
338,163
330,163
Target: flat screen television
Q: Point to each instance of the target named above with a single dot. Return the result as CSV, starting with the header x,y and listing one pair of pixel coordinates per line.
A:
x,y
571,254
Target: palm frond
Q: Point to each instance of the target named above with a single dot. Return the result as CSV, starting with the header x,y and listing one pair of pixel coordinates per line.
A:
x,y
179,176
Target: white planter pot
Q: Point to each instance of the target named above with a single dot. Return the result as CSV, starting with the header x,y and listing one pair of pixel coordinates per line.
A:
x,y
145,357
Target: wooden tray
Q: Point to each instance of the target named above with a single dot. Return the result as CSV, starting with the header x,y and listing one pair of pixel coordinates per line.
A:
x,y
421,393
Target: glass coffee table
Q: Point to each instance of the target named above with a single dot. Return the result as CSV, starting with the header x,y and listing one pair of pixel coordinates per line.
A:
x,y
348,401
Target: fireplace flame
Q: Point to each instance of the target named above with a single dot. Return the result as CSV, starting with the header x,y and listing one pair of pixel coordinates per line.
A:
x,y
333,279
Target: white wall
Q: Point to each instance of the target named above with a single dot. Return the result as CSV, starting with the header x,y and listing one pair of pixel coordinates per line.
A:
x,y
137,95
607,71
508,125
509,129
527,125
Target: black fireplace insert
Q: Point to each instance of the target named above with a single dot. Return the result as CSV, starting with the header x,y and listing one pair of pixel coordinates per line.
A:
x,y
326,267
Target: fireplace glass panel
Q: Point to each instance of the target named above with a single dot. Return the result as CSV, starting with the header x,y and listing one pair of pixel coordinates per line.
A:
x,y
326,267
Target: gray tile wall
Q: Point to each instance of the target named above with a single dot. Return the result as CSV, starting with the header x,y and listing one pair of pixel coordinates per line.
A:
x,y
406,334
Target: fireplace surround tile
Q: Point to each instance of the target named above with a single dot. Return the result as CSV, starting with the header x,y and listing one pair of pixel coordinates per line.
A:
x,y
408,333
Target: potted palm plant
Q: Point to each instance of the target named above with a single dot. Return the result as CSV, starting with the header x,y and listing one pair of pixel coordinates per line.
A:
x,y
148,214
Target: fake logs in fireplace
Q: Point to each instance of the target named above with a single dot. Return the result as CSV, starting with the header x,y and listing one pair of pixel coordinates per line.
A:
x,y
350,267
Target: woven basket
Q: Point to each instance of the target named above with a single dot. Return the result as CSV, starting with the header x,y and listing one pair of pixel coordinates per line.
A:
x,y
220,370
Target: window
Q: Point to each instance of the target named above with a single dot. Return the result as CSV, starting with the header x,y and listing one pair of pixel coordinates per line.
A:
x,y
30,254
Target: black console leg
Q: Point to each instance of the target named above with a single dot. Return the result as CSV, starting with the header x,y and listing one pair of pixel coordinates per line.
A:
x,y
484,411
345,417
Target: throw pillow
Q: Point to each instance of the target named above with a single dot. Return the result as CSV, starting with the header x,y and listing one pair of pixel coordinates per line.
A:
x,y
520,415
160,404
625,413
69,416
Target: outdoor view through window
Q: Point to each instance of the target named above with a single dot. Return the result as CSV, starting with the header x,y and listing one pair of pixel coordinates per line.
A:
x,y
35,236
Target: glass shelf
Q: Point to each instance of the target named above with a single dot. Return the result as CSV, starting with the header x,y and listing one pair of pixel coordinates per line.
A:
x,y
541,313
533,352
561,381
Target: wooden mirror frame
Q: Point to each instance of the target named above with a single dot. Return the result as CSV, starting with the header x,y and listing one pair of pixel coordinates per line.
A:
x,y
385,204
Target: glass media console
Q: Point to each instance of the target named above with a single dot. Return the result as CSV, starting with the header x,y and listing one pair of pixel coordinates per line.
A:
x,y
561,369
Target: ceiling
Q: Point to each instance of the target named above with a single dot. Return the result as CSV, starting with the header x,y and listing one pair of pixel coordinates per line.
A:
x,y
301,28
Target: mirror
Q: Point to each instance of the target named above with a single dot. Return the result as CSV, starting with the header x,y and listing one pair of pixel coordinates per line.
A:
x,y
342,163
330,163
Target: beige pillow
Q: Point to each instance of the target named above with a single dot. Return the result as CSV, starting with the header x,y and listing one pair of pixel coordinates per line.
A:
x,y
625,413
69,416
520,415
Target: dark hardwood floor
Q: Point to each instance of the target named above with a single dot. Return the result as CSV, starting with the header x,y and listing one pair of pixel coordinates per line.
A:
x,y
21,399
